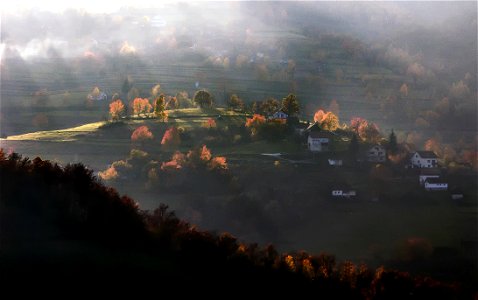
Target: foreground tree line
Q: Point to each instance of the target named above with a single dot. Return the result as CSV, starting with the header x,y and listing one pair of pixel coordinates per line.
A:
x,y
75,214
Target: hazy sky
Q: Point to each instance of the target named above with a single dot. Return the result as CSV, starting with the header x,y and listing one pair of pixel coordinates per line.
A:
x,y
94,6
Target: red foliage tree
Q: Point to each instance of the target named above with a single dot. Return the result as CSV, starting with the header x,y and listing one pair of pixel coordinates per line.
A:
x,y
171,138
205,154
141,134
356,122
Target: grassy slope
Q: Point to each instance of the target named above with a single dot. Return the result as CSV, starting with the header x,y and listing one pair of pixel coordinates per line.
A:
x,y
61,135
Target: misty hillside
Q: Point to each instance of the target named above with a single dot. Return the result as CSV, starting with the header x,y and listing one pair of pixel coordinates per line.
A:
x,y
357,53
335,127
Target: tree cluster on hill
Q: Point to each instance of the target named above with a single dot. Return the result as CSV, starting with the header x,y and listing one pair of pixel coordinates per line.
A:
x,y
71,214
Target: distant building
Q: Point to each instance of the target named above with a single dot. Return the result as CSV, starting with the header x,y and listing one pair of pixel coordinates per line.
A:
x,y
101,97
335,162
377,153
435,184
424,159
319,141
343,191
428,173
279,115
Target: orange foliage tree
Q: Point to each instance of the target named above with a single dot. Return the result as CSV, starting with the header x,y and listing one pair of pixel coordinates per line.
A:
x,y
108,174
330,121
254,123
369,132
116,109
141,106
404,90
171,138
319,115
141,134
327,120
218,163
255,120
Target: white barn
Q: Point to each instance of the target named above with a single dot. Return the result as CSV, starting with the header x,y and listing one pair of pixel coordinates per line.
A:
x,y
318,141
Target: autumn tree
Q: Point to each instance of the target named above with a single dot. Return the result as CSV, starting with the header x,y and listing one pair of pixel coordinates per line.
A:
x,y
141,134
116,109
369,132
435,146
155,91
326,120
254,123
183,100
159,107
270,106
171,138
443,106
404,90
235,103
203,98
141,106
319,116
217,163
290,105
172,103
416,70
459,90
330,121
108,174
356,122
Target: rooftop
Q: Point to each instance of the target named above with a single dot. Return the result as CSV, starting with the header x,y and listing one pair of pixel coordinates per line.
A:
x,y
320,134
427,154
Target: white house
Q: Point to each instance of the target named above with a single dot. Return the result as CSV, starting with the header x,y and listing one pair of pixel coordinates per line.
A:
x,y
376,153
101,97
335,162
319,141
435,184
424,159
428,173
342,192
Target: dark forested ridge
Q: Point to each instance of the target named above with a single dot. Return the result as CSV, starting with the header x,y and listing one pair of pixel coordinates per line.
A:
x,y
60,225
